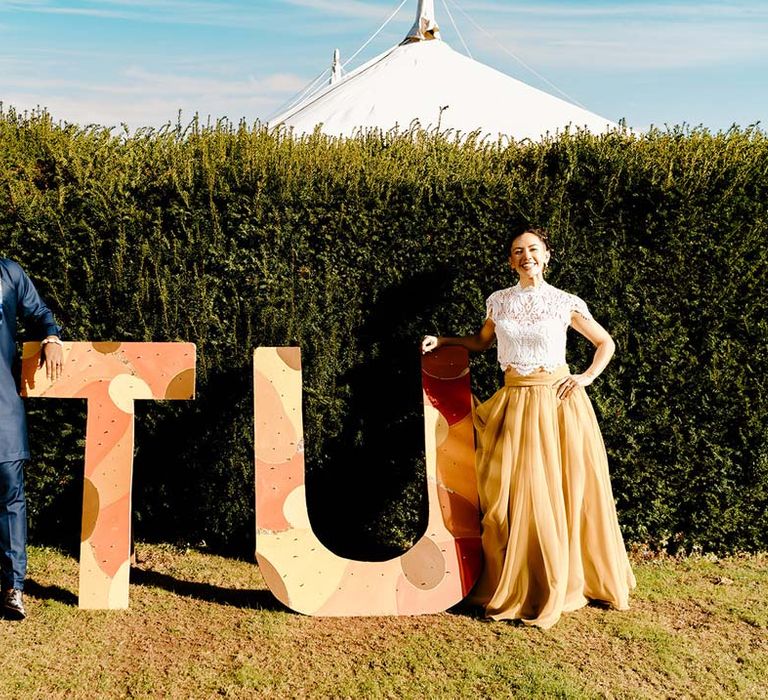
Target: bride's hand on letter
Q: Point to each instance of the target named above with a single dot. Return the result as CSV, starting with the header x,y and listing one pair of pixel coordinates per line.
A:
x,y
429,343
568,384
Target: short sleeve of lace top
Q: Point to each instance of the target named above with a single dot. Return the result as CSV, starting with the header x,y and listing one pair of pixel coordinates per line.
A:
x,y
489,307
580,306
494,305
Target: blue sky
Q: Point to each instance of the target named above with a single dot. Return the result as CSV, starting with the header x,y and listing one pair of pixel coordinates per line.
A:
x,y
139,61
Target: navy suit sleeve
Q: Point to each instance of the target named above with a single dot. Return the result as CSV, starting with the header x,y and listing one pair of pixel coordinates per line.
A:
x,y
33,308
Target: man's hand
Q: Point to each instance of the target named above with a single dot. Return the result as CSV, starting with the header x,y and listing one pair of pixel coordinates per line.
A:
x,y
52,355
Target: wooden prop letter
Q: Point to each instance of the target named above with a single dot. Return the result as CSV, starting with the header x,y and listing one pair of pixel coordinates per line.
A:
x,y
437,572
111,376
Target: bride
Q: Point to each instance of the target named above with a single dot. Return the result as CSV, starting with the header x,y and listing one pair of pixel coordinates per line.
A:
x,y
551,538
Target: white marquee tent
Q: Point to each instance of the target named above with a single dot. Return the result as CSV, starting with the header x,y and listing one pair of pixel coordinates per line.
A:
x,y
425,80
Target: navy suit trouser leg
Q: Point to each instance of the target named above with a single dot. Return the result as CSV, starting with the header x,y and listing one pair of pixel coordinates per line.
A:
x,y
13,525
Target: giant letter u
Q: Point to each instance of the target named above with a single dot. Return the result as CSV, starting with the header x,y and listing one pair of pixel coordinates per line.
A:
x,y
437,572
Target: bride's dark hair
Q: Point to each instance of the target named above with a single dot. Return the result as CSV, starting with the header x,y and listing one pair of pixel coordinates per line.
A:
x,y
541,233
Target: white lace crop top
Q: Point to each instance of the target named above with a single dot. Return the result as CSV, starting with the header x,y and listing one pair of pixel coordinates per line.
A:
x,y
531,325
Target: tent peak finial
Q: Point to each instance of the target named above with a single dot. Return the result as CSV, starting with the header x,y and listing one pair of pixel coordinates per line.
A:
x,y
425,27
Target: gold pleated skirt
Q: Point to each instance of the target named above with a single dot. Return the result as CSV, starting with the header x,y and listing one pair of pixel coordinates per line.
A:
x,y
551,537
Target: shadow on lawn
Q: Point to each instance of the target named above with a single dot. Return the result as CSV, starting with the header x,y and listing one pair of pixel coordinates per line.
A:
x,y
236,597
57,593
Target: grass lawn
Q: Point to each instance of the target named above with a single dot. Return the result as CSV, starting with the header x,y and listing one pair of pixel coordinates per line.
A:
x,y
204,626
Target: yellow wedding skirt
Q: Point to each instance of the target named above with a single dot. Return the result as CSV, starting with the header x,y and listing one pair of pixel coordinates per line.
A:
x,y
551,537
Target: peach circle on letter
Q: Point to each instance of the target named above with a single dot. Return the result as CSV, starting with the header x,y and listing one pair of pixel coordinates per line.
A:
x,y
124,388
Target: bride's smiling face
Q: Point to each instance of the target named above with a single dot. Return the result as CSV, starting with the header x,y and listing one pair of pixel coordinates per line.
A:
x,y
528,255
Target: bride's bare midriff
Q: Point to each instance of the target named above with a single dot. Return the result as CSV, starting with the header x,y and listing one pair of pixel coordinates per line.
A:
x,y
512,372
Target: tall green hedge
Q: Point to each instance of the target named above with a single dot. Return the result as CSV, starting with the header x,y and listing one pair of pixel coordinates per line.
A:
x,y
234,237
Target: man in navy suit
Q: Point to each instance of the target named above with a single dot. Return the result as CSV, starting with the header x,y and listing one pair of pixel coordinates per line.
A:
x,y
18,299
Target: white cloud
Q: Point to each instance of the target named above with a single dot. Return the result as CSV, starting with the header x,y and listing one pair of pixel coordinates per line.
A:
x,y
250,15
346,8
155,111
663,11
183,5
141,80
628,48
144,98
215,14
623,37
